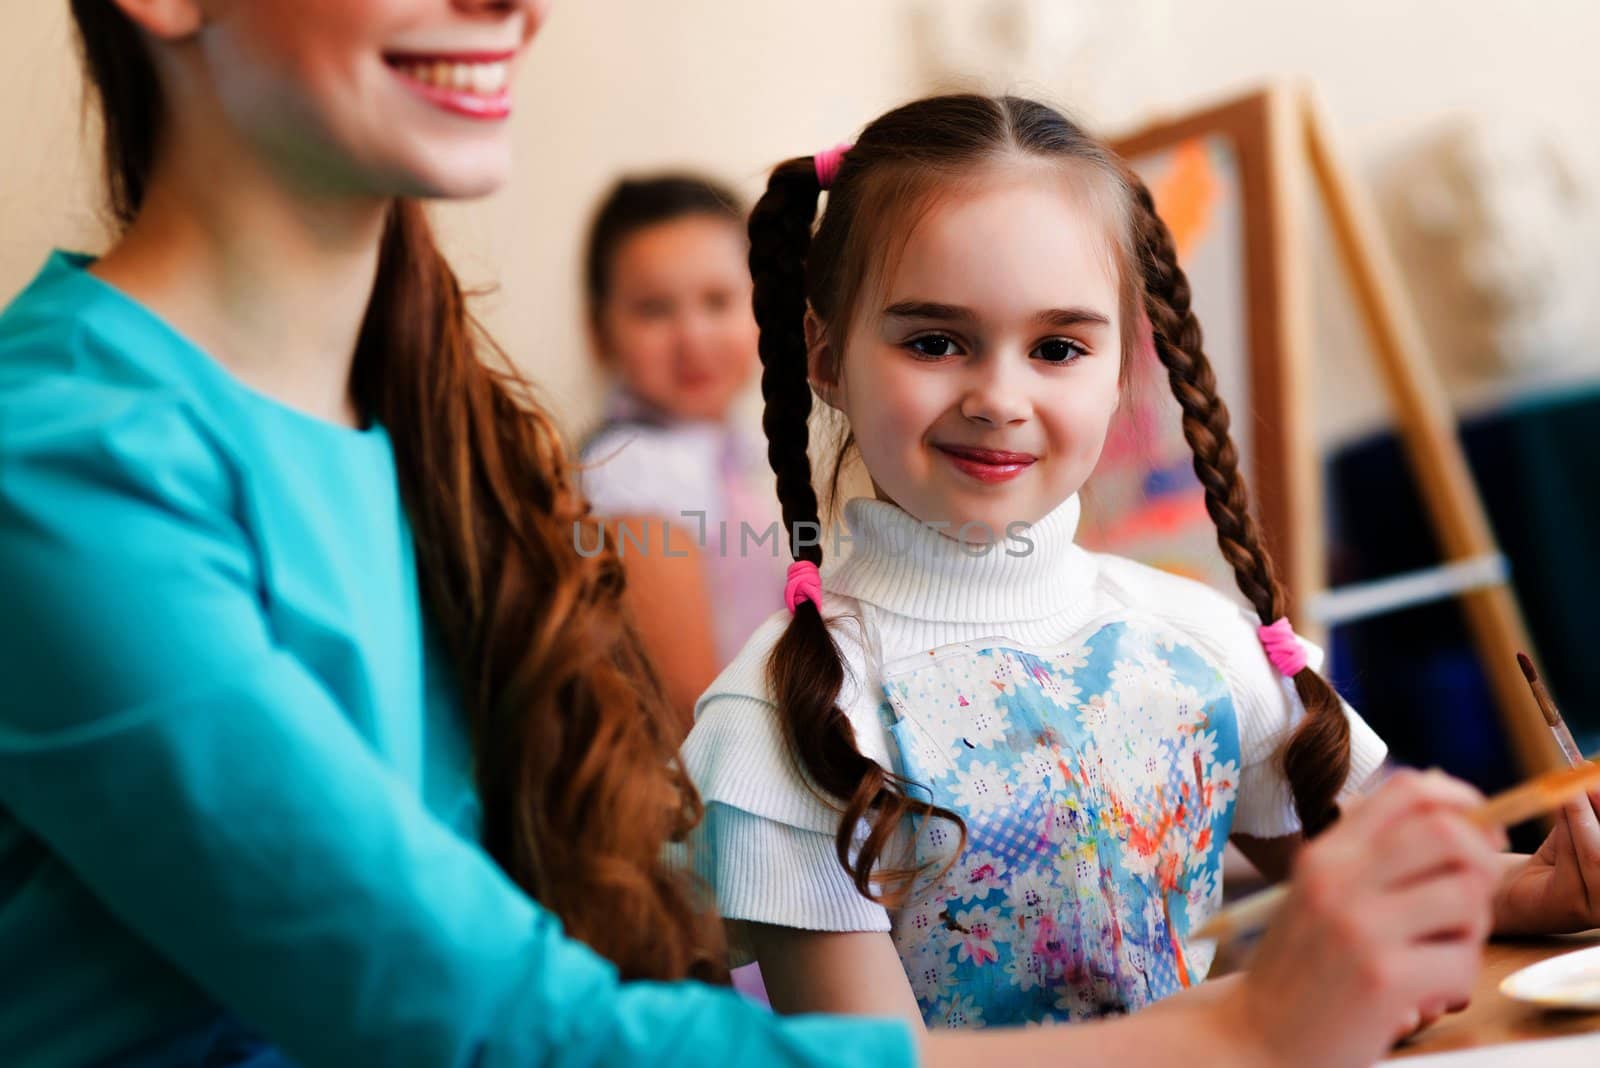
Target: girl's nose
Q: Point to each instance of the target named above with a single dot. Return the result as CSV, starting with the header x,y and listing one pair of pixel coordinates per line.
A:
x,y
995,397
696,335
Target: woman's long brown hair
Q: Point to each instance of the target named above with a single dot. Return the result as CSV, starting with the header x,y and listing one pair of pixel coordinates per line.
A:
x,y
573,742
900,163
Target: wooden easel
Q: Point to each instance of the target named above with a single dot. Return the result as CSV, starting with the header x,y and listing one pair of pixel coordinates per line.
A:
x,y
1281,135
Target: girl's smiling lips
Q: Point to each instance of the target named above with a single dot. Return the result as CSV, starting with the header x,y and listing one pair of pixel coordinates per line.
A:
x,y
987,465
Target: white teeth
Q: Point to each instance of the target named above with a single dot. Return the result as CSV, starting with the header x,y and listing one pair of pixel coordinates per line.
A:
x,y
490,77
484,79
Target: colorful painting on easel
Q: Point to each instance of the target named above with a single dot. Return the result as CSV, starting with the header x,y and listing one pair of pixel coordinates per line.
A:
x,y
1144,501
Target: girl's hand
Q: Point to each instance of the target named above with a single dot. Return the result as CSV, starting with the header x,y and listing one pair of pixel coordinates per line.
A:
x,y
1558,888
1383,928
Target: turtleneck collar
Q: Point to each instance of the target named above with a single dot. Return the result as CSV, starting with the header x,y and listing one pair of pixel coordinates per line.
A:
x,y
899,564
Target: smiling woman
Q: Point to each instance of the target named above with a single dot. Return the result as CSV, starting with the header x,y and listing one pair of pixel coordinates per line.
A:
x,y
483,480
356,702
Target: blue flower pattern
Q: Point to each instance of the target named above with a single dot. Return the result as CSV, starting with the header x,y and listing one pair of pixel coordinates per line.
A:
x,y
1097,782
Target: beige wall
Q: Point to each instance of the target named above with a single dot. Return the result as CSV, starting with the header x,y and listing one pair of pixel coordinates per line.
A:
x,y
46,180
735,85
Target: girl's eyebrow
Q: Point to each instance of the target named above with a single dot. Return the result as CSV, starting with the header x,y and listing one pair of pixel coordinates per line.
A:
x,y
926,309
1064,317
1057,317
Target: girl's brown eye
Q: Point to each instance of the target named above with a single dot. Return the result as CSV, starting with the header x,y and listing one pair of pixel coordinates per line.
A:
x,y
934,346
1060,350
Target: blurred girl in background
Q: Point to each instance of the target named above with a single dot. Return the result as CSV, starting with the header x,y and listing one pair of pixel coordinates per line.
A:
x,y
668,294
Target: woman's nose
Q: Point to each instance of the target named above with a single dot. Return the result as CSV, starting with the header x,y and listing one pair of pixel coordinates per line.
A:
x,y
533,12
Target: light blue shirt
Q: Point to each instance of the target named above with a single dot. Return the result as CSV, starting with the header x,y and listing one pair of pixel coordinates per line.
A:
x,y
235,790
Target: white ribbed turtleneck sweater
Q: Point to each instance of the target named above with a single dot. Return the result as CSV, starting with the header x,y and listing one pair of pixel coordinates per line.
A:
x,y
767,843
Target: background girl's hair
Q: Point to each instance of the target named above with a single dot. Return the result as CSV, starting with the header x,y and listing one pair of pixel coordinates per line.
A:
x,y
899,164
574,746
638,203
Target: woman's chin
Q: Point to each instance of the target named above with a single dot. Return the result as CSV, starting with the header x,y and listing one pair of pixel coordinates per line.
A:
x,y
467,177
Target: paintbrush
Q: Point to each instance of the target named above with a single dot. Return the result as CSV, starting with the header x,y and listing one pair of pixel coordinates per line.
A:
x,y
1541,794
1547,707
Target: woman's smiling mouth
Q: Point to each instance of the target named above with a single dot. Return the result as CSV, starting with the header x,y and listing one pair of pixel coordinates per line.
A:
x,y
472,84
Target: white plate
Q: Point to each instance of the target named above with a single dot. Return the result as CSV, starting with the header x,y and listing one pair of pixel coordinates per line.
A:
x,y
1570,981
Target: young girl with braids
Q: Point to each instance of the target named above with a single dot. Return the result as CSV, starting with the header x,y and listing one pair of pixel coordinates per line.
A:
x,y
977,775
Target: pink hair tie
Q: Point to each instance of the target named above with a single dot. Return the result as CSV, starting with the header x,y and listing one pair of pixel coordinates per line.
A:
x,y
1283,647
804,584
828,162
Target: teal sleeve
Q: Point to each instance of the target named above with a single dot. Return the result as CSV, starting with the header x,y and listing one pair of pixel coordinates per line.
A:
x,y
208,791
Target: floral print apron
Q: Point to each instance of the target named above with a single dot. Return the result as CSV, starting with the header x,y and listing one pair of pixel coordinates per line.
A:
x,y
1097,781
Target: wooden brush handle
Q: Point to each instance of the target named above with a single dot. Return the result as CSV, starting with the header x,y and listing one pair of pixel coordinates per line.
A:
x,y
1533,798
1537,796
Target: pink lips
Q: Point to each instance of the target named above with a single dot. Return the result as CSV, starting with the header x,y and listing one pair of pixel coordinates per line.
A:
x,y
988,465
474,85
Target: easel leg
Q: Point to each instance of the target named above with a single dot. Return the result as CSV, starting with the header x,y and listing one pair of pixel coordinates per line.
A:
x,y
1427,428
